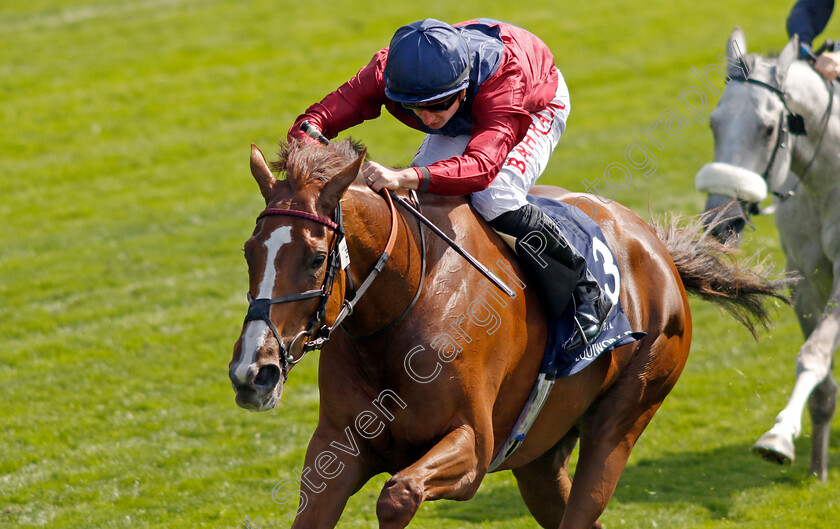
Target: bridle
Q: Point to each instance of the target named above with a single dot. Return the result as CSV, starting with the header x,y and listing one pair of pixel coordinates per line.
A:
x,y
317,333
795,126
339,258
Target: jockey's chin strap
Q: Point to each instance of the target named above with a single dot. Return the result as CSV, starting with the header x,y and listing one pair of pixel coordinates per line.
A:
x,y
317,333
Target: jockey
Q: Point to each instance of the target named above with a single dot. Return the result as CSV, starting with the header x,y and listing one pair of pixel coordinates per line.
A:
x,y
493,106
807,19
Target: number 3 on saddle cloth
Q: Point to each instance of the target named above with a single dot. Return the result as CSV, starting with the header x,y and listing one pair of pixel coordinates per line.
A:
x,y
585,235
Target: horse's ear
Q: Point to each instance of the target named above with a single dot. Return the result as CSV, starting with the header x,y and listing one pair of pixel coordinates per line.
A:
x,y
339,183
786,58
261,172
736,47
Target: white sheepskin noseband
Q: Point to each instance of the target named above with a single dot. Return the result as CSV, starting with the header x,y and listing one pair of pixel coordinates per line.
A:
x,y
731,181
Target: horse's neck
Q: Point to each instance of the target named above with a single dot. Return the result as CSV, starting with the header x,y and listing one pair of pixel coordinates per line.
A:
x,y
810,98
368,226
368,223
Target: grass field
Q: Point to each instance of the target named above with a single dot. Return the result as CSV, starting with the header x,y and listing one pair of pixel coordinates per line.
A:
x,y
125,197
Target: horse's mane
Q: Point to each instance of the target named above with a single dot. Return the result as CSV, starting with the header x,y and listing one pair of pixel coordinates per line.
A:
x,y
304,161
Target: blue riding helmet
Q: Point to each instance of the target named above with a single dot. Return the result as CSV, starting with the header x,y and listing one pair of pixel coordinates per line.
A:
x,y
427,60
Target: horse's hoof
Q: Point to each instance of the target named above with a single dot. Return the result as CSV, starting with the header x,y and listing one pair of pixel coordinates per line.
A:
x,y
774,448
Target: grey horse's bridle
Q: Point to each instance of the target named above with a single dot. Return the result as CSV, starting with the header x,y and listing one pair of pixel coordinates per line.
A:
x,y
795,126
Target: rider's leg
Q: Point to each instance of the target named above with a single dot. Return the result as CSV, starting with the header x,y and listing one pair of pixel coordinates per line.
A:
x,y
538,236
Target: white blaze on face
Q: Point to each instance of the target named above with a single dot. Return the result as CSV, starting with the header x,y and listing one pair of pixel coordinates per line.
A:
x,y
257,331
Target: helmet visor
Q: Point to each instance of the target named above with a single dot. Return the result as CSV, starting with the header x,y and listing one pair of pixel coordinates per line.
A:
x,y
441,105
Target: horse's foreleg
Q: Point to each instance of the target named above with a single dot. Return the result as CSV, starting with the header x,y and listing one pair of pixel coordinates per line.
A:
x,y
334,470
776,445
813,370
449,470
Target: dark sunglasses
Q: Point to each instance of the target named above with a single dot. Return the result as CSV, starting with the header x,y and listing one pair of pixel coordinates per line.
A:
x,y
437,106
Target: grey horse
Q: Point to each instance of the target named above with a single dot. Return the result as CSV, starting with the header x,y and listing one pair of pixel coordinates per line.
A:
x,y
777,131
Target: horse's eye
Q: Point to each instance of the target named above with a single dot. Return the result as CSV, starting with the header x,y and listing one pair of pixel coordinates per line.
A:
x,y
768,130
318,262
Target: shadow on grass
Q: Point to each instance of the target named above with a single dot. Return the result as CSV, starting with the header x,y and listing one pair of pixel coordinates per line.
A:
x,y
711,480
502,502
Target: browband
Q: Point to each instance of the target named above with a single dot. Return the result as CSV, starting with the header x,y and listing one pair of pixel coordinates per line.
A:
x,y
297,213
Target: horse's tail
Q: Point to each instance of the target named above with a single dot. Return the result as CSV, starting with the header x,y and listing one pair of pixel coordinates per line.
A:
x,y
710,270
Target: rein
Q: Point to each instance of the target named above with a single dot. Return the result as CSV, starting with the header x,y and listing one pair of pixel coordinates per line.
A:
x,y
823,125
413,302
316,134
338,259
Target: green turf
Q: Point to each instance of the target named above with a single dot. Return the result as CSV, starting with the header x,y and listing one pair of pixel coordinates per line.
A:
x,y
125,198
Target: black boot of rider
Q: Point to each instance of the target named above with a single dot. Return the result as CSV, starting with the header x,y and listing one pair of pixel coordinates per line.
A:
x,y
562,276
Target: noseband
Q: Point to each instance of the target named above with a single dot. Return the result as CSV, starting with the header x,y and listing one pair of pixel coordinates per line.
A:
x,y
337,259
260,309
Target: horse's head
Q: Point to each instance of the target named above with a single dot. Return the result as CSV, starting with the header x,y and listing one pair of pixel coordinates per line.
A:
x,y
752,125
292,264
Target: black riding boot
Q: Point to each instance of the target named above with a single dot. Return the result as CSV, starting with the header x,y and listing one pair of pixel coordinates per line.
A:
x,y
561,275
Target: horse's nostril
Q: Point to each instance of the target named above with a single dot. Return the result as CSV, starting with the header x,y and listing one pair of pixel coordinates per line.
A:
x,y
268,377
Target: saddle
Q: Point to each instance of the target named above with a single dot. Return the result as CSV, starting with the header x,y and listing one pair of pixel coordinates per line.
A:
x,y
584,235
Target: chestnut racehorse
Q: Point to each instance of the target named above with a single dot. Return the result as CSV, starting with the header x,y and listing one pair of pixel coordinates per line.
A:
x,y
427,376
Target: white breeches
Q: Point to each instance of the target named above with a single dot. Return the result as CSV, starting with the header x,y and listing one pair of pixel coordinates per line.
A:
x,y
523,165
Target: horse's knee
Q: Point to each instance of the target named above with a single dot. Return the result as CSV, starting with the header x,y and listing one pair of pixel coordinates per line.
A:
x,y
813,362
823,401
399,500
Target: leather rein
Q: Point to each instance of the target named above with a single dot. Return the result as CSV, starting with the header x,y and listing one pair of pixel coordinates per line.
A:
x,y
317,333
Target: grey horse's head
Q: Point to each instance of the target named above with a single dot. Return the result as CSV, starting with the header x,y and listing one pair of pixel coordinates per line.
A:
x,y
751,132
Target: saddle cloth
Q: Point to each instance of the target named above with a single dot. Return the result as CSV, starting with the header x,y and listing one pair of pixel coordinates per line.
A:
x,y
585,235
